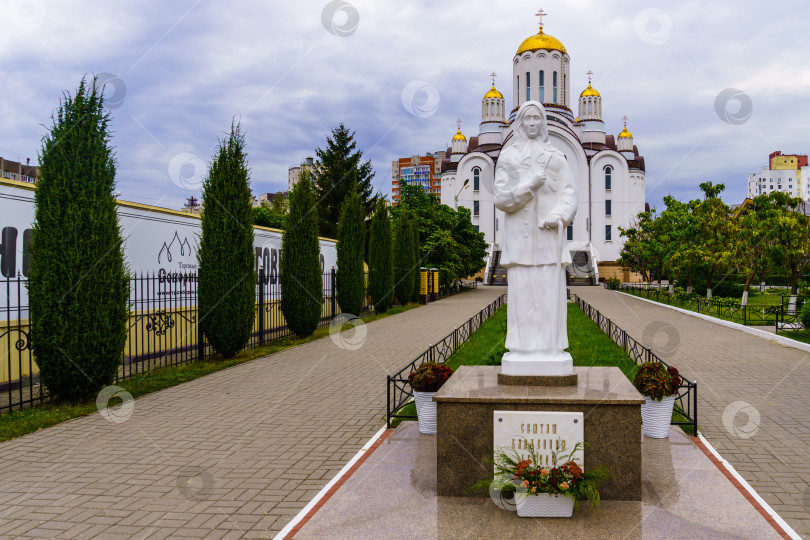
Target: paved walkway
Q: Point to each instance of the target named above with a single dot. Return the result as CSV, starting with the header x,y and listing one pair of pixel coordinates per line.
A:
x,y
235,454
753,395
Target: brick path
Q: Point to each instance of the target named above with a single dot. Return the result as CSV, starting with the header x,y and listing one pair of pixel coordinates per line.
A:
x,y
234,454
772,452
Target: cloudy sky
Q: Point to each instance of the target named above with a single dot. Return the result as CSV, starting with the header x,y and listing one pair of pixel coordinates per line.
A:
x,y
710,88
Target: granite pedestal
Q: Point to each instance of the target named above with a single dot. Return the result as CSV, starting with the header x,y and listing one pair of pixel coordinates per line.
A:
x,y
466,405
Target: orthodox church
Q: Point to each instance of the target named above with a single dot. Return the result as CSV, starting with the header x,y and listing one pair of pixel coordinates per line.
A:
x,y
609,172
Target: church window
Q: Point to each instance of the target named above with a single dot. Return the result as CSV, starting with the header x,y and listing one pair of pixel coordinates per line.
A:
x,y
542,86
476,179
608,207
554,86
608,177
476,207
570,232
607,233
476,228
528,86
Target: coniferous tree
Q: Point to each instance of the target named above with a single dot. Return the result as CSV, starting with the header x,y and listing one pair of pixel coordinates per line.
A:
x,y
301,278
338,170
227,278
417,257
403,259
78,283
381,264
351,287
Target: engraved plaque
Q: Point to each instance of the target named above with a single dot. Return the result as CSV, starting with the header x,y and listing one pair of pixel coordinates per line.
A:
x,y
542,430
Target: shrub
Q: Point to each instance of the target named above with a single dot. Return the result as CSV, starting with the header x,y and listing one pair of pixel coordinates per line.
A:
x,y
429,377
351,241
78,285
301,277
417,258
613,283
227,276
381,265
655,381
805,316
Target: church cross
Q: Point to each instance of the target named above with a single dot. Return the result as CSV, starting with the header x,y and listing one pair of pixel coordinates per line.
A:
x,y
541,14
493,79
589,76
625,120
459,124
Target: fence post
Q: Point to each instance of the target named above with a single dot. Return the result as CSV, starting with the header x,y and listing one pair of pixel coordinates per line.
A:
x,y
434,282
333,286
200,334
388,403
261,304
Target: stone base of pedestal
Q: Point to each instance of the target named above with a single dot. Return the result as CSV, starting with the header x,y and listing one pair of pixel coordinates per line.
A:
x,y
612,425
537,380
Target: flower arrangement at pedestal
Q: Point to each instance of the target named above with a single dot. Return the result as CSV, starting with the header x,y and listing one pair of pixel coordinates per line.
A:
x,y
426,381
659,384
544,490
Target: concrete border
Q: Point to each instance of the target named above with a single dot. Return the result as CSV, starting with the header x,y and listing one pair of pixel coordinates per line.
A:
x,y
782,340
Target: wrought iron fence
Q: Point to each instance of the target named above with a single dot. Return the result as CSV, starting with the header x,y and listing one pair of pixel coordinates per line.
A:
x,y
686,399
163,329
723,308
399,391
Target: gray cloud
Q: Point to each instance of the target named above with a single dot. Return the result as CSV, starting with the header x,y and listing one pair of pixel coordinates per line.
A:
x,y
190,67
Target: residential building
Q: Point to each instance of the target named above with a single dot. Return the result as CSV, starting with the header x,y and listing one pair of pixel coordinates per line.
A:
x,y
294,173
424,171
14,170
784,173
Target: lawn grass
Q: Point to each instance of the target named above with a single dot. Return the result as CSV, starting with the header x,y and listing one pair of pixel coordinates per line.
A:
x,y
588,345
23,421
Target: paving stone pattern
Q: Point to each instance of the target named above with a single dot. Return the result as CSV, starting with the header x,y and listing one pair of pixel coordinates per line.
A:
x,y
234,454
767,384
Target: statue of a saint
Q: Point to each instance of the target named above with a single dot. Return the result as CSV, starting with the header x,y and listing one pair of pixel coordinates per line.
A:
x,y
535,188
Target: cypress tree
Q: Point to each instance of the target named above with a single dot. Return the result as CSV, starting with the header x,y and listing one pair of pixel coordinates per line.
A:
x,y
417,257
351,241
381,264
227,278
403,259
301,277
78,284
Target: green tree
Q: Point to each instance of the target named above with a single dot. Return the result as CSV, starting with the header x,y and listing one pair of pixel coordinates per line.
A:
x,y
413,228
751,244
789,232
636,252
265,215
338,169
78,283
447,237
280,204
381,264
685,262
301,278
227,279
351,282
714,233
404,261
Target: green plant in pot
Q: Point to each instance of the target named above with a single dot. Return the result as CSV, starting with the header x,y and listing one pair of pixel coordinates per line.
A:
x,y
426,381
659,384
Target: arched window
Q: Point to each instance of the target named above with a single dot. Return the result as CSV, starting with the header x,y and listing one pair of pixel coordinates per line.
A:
x,y
476,178
608,176
542,86
570,231
554,86
528,86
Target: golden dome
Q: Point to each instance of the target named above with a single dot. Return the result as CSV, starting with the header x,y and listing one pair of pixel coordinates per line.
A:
x,y
590,91
541,41
625,134
459,136
493,93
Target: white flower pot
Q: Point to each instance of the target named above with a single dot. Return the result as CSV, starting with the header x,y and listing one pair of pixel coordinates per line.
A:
x,y
425,411
544,505
656,417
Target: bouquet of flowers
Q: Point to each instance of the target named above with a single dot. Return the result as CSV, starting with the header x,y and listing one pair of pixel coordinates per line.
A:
x,y
526,477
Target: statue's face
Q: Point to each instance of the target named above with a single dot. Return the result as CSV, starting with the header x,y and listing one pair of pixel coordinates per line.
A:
x,y
532,122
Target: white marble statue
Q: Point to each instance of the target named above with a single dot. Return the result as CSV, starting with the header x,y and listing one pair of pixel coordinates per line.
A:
x,y
535,188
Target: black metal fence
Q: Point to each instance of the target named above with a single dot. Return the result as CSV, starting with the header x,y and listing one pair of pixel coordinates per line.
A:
x,y
164,329
399,390
723,308
685,401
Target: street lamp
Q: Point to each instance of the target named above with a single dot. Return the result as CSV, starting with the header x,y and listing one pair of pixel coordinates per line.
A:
x,y
465,186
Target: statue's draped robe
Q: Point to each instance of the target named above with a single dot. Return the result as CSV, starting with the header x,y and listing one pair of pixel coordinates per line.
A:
x,y
536,310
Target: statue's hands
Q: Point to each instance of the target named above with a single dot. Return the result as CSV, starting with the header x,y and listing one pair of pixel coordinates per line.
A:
x,y
538,180
550,221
